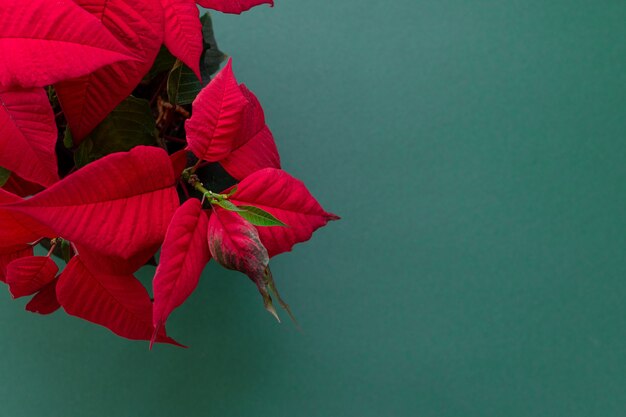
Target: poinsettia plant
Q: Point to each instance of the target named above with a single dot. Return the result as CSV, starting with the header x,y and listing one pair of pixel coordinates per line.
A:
x,y
121,138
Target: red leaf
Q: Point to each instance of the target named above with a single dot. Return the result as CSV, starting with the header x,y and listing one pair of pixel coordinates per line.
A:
x,y
45,301
184,254
117,302
235,244
289,201
9,254
212,130
179,162
119,205
21,187
17,229
28,135
43,42
233,6
183,32
115,265
259,149
27,275
138,25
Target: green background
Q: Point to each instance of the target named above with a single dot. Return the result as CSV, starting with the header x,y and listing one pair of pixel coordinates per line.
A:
x,y
475,150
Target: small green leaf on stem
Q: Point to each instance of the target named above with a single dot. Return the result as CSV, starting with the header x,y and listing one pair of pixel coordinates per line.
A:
x,y
259,217
227,205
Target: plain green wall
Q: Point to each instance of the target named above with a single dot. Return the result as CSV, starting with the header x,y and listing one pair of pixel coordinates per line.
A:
x,y
475,150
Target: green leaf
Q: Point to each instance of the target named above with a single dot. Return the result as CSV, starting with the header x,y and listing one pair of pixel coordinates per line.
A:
x,y
212,57
182,84
68,140
259,217
163,62
4,176
227,205
130,124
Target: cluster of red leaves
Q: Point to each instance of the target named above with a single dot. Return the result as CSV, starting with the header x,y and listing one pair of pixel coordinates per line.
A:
x,y
111,216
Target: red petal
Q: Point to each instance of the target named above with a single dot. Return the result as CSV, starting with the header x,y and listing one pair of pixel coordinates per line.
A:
x,y
43,42
184,254
117,302
45,301
212,130
289,201
258,153
179,162
119,205
17,229
138,25
21,187
233,6
28,135
8,255
114,265
26,276
183,32
235,244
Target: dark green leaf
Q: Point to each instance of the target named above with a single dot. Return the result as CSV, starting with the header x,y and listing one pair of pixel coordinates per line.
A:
x,y
212,57
4,176
182,85
259,217
162,63
68,140
130,124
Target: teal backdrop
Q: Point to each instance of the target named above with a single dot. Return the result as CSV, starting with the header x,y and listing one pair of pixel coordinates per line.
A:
x,y
475,150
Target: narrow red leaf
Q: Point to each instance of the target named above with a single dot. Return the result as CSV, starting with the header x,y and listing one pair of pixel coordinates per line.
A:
x,y
28,135
212,130
183,256
9,254
183,32
27,275
45,301
259,149
233,6
136,24
119,205
43,42
288,199
117,302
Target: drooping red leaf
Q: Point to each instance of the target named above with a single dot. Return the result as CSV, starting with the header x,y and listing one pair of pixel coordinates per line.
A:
x,y
183,32
119,205
43,42
28,134
286,198
136,24
184,254
235,244
21,187
115,265
27,275
233,6
9,254
45,301
212,131
259,149
117,302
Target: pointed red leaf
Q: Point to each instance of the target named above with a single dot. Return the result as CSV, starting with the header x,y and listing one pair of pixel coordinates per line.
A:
x,y
212,130
235,244
27,275
9,254
117,302
184,254
136,24
259,149
43,42
119,205
289,201
233,6
28,135
45,301
183,32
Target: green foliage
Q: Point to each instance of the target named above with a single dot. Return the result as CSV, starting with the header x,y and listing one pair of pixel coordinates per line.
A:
x,y
4,176
259,217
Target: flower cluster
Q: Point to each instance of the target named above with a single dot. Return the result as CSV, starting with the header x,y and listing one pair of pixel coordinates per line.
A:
x,y
115,143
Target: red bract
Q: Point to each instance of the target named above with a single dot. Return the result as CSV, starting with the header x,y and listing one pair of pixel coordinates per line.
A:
x,y
136,24
45,301
233,6
216,117
43,42
117,217
117,302
183,32
185,253
28,135
26,276
287,199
